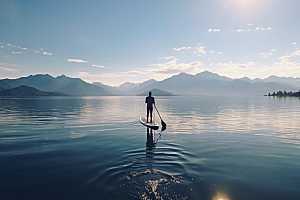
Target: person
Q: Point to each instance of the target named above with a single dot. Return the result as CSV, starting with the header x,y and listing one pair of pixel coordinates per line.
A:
x,y
150,101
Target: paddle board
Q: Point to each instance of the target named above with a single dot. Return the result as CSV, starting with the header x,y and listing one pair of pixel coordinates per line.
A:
x,y
152,125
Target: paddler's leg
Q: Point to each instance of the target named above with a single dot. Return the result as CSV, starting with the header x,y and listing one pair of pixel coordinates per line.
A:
x,y
151,115
147,114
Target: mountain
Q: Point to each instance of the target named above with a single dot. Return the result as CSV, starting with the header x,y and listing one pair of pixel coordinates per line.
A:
x,y
24,90
126,88
207,75
156,92
289,80
110,89
284,80
212,84
63,84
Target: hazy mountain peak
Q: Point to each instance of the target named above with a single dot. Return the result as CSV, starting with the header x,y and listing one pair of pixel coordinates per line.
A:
x,y
128,84
62,76
245,78
209,75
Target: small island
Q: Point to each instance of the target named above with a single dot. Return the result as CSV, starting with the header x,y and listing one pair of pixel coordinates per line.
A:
x,y
285,94
157,92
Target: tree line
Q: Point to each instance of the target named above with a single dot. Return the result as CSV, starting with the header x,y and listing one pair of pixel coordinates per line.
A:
x,y
285,94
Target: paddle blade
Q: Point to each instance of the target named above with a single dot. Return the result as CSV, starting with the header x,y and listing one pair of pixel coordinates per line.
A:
x,y
163,123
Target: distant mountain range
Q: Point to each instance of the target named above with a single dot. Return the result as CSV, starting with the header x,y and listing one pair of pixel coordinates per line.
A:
x,y
62,84
207,83
204,83
126,88
24,91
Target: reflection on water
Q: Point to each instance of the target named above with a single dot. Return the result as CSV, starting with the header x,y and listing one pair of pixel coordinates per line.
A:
x,y
95,148
148,183
244,114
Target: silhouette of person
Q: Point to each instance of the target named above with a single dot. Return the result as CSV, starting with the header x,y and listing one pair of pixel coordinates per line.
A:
x,y
150,101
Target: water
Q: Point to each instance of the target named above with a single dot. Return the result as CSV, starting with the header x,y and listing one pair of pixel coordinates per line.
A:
x,y
214,148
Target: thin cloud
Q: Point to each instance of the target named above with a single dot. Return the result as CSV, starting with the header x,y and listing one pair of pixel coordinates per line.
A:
x,y
47,53
76,60
236,65
8,69
17,52
10,46
200,50
239,30
295,43
181,48
171,67
214,30
250,24
263,29
293,54
265,54
220,53
100,66
169,57
273,50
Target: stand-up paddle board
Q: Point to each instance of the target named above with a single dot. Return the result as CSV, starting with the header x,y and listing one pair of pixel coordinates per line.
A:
x,y
152,125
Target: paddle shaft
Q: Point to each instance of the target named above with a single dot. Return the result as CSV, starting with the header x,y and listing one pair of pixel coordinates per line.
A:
x,y
162,122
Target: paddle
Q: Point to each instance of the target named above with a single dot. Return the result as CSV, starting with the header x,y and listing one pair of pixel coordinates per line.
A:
x,y
162,122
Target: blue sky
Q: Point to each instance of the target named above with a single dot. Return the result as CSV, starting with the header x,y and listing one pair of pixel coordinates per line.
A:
x,y
134,40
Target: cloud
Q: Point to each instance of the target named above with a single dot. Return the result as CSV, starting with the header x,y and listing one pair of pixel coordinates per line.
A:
x,y
200,50
181,48
295,43
220,53
240,30
171,67
263,29
10,46
296,53
48,53
236,65
169,57
250,24
8,64
211,51
214,30
17,52
284,67
273,50
98,66
265,54
8,69
76,60
111,75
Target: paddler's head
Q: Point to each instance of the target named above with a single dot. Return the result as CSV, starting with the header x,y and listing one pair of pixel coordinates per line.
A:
x,y
150,93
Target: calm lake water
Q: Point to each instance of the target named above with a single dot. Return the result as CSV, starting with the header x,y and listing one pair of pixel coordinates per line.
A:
x,y
214,148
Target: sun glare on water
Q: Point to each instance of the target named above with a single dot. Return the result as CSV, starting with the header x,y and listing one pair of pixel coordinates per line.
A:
x,y
220,196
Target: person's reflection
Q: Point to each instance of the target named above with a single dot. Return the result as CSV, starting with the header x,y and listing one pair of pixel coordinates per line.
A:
x,y
150,144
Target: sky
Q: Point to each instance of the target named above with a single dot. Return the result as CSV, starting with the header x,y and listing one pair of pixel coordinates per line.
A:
x,y
119,41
